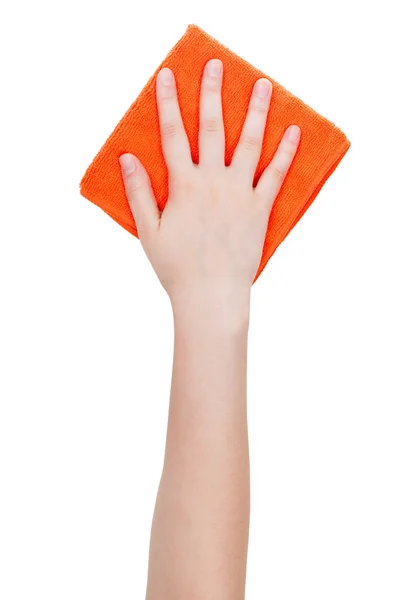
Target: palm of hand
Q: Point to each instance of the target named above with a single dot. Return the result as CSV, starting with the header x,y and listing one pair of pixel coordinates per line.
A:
x,y
213,227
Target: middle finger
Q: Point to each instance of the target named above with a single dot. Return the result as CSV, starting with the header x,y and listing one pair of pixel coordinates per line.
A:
x,y
211,133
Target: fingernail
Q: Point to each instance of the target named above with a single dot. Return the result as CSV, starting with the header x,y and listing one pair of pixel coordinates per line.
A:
x,y
263,88
215,67
127,163
293,133
166,76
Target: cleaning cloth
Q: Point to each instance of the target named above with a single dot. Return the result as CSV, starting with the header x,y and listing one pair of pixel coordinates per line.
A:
x,y
321,148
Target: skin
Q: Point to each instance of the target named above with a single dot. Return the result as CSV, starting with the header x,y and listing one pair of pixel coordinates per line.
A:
x,y
206,248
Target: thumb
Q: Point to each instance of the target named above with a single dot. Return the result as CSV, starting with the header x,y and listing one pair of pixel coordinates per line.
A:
x,y
140,195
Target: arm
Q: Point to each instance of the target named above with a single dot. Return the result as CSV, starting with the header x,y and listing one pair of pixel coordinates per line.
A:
x,y
205,249
200,527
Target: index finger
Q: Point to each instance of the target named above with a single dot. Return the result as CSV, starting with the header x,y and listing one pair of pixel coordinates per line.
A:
x,y
175,144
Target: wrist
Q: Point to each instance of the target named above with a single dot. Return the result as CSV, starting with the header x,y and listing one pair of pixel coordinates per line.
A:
x,y
219,307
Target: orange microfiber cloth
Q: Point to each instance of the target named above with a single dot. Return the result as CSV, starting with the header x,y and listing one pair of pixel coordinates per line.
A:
x,y
321,148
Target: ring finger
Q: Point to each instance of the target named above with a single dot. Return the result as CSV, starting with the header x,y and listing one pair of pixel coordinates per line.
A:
x,y
248,151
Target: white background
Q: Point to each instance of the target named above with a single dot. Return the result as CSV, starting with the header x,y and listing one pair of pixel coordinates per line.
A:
x,y
86,329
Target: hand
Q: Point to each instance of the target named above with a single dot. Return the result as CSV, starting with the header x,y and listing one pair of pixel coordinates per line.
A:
x,y
212,230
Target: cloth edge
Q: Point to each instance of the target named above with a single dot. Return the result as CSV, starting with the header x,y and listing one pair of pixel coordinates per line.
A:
x,y
317,183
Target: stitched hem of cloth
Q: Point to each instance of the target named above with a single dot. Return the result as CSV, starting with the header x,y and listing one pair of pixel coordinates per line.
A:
x,y
316,184
128,226
100,204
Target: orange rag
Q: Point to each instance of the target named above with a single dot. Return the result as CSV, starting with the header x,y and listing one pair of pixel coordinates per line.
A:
x,y
321,148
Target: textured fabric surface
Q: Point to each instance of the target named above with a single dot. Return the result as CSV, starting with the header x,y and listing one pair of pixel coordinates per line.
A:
x,y
321,148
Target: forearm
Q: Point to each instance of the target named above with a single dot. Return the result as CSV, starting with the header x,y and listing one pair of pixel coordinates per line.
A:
x,y
201,520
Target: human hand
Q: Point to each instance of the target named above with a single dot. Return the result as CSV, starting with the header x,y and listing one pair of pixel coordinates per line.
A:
x,y
212,230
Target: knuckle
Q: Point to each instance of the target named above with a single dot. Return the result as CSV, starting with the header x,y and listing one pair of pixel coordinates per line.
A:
x,y
287,153
210,85
288,150
180,181
251,143
134,182
210,125
279,173
258,107
169,129
168,95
